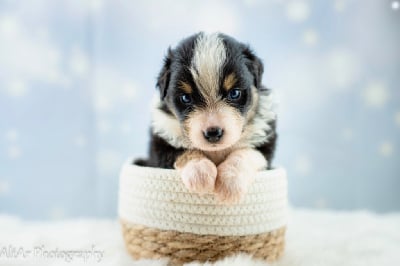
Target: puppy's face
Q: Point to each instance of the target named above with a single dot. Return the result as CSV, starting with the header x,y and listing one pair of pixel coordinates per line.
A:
x,y
209,84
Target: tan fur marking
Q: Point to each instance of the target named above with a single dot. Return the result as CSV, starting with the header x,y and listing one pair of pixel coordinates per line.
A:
x,y
185,87
230,82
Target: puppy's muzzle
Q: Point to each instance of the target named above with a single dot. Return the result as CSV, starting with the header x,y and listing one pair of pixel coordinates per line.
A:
x,y
213,134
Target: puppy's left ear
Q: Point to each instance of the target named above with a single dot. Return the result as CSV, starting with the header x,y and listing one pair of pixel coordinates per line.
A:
x,y
165,74
254,65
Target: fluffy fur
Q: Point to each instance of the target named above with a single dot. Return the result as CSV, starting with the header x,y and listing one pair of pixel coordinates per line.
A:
x,y
213,120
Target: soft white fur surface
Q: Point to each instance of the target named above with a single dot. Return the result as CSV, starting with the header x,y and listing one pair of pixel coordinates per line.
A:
x,y
313,238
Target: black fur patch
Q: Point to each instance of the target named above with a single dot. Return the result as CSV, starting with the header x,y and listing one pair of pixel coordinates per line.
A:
x,y
162,154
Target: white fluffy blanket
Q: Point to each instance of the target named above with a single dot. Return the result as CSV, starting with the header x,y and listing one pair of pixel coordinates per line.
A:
x,y
313,238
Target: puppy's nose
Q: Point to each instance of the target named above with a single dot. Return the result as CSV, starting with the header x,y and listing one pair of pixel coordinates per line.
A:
x,y
213,134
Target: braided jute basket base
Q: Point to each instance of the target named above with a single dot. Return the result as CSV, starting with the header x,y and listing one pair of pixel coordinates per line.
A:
x,y
161,219
150,243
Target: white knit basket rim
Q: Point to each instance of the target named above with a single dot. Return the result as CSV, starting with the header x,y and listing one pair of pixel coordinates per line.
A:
x,y
157,198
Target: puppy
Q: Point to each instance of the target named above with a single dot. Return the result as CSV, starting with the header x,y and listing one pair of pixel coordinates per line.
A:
x,y
213,121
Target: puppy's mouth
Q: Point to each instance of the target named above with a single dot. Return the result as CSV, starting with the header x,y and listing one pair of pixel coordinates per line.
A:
x,y
214,139
206,146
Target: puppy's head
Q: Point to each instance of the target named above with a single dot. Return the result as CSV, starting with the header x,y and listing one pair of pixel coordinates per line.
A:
x,y
209,83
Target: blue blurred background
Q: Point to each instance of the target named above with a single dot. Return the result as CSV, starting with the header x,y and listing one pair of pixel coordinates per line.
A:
x,y
77,77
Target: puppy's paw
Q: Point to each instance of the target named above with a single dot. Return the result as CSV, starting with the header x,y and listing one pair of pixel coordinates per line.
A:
x,y
199,175
232,183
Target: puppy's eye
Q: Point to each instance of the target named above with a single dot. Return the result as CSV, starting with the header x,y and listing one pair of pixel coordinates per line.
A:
x,y
234,94
185,98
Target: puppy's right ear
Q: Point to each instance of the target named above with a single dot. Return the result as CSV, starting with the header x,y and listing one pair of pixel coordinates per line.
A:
x,y
254,65
165,74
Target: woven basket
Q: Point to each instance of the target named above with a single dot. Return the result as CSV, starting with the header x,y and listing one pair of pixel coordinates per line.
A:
x,y
161,219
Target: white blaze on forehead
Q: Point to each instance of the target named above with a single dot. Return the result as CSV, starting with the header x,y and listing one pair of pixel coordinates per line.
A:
x,y
208,60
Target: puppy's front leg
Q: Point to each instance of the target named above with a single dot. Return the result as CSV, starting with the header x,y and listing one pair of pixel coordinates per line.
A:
x,y
198,173
236,173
